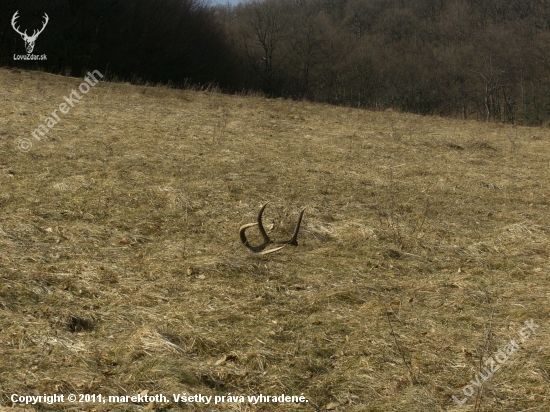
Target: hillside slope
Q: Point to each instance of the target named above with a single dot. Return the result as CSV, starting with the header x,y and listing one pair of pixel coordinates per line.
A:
x,y
424,249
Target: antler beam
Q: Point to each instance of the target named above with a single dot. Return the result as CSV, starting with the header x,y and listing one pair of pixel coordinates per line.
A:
x,y
260,248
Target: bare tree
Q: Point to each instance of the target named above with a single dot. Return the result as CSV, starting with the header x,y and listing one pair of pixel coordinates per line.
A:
x,y
305,46
263,40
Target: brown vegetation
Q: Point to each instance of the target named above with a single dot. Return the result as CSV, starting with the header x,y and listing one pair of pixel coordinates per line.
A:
x,y
423,249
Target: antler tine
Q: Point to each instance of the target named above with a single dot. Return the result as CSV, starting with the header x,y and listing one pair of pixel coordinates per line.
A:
x,y
267,240
293,240
265,252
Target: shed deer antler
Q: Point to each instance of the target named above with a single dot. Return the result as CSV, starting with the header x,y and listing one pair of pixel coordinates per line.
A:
x,y
260,248
29,40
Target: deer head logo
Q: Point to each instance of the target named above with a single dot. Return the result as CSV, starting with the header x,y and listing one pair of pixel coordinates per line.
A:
x,y
29,40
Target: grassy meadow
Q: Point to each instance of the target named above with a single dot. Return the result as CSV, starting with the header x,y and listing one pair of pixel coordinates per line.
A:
x,y
424,248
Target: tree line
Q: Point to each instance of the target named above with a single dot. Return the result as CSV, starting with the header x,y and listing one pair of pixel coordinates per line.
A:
x,y
158,41
484,59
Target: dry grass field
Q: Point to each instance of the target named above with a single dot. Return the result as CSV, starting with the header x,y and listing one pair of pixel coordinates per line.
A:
x,y
424,248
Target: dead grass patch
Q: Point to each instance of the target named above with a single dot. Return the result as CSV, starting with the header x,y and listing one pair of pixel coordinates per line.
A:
x,y
121,269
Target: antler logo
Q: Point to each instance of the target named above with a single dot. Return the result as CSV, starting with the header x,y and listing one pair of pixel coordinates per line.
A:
x,y
29,40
